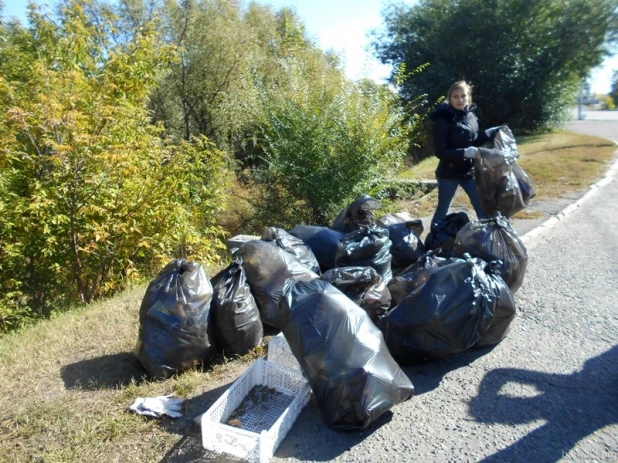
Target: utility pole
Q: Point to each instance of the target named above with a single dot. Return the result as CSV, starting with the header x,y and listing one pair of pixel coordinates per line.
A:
x,y
580,115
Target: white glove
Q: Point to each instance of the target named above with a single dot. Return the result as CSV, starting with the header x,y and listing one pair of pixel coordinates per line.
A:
x,y
158,406
471,152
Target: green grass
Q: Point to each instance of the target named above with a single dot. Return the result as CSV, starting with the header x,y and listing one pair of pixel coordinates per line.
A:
x,y
66,383
424,170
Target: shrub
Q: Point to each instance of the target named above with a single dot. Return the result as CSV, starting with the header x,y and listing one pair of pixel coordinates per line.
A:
x,y
91,196
323,144
607,102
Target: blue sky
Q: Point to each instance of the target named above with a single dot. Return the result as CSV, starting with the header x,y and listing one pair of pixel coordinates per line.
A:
x,y
343,25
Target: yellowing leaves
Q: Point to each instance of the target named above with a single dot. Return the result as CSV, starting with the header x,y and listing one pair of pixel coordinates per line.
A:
x,y
17,115
91,195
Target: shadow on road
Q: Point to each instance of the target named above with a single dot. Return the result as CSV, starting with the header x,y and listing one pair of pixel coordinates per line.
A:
x,y
428,376
573,406
310,439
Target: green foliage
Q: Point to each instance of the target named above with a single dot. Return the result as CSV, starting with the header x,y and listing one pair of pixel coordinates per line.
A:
x,y
607,102
229,53
322,145
417,110
204,91
253,82
224,47
525,59
91,196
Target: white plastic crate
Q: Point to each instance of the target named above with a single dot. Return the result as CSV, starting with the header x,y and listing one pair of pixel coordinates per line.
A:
x,y
279,352
263,424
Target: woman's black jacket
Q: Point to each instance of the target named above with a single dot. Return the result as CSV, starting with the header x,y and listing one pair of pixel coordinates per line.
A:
x,y
453,131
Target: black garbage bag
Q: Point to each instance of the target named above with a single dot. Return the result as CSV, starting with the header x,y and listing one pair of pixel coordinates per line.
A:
x,y
443,317
505,308
502,185
358,214
364,286
405,234
366,247
441,237
495,239
293,245
343,356
175,328
267,267
504,140
414,276
237,323
323,242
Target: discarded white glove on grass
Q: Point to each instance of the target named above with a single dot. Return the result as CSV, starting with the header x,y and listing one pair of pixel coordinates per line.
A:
x,y
471,152
158,406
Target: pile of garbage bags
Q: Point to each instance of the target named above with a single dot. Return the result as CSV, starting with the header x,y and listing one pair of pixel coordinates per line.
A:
x,y
356,300
185,319
451,310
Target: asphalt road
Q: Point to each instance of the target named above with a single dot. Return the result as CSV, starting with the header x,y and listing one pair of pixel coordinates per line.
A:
x,y
548,392
600,123
590,115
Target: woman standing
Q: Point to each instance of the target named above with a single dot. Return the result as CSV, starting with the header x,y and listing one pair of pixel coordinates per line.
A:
x,y
456,137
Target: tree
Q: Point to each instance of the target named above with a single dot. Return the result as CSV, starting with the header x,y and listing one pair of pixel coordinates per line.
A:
x,y
321,146
205,90
524,58
92,195
252,80
229,52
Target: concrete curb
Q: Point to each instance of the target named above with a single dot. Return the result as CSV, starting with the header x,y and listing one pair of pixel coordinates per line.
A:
x,y
532,235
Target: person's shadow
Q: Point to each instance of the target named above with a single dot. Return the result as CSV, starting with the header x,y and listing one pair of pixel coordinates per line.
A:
x,y
574,406
428,376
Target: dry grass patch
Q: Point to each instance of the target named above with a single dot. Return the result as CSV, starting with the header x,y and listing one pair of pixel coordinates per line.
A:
x,y
424,170
563,162
238,214
66,385
525,214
